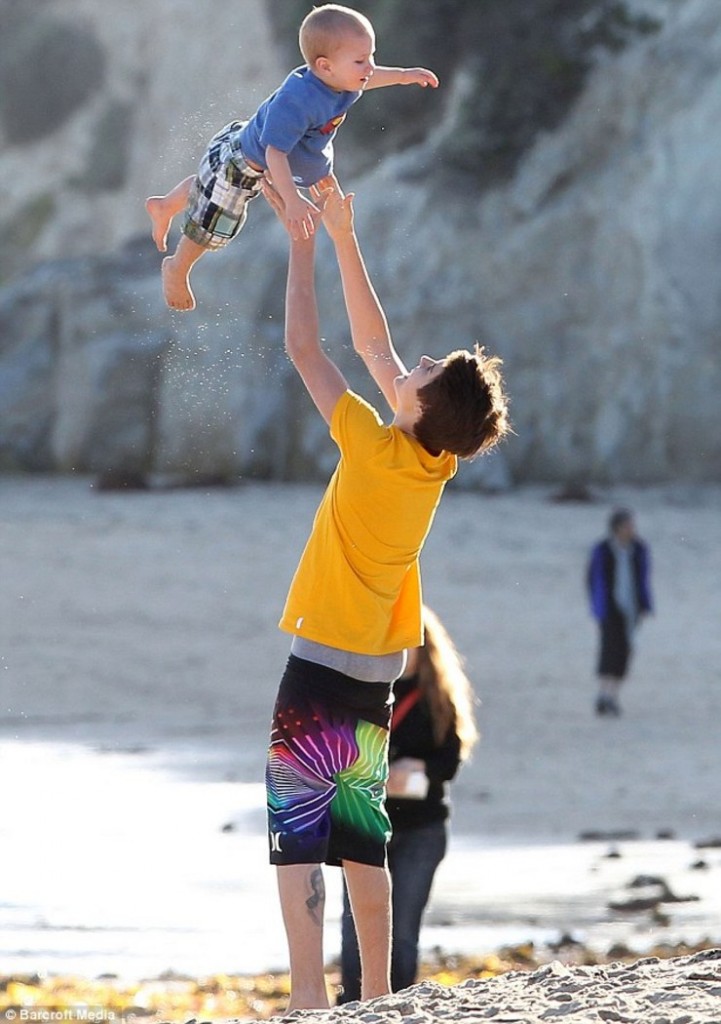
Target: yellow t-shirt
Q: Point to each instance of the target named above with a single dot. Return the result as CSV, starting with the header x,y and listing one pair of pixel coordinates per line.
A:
x,y
357,586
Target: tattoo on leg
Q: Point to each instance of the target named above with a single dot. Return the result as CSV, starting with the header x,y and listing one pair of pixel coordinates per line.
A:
x,y
316,900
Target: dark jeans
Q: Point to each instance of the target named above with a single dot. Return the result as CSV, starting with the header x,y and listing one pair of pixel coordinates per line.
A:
x,y
615,652
413,856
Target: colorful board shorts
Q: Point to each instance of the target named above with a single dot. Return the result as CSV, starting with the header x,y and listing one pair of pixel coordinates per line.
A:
x,y
224,185
327,768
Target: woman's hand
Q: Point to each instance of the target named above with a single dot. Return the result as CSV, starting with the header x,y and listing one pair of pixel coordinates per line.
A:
x,y
399,774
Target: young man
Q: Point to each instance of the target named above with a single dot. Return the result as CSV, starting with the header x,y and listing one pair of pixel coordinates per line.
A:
x,y
354,606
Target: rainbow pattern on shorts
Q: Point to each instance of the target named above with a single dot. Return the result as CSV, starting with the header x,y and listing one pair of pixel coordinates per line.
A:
x,y
326,770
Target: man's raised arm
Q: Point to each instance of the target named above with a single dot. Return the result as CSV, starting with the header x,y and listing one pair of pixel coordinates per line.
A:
x,y
369,327
322,378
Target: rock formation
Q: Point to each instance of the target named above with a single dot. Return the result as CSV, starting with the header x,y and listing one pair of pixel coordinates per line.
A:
x,y
577,238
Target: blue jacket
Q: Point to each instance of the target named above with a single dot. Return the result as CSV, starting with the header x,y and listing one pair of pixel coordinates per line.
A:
x,y
601,575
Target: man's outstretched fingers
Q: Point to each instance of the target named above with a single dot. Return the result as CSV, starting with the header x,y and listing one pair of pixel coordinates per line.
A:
x,y
324,188
274,200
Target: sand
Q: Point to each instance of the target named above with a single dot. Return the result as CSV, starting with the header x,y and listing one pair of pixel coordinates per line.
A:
x,y
147,622
684,990
136,618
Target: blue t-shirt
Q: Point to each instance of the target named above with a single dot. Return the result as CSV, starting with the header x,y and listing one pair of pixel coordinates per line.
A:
x,y
300,119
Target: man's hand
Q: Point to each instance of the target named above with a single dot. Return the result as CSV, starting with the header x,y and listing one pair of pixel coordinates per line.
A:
x,y
337,209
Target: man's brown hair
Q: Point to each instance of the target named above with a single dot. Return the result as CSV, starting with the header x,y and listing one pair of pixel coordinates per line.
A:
x,y
464,410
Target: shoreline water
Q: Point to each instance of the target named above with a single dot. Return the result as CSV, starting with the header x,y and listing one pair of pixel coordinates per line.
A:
x,y
147,870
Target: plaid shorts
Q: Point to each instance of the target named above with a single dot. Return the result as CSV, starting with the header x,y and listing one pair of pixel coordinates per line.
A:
x,y
224,185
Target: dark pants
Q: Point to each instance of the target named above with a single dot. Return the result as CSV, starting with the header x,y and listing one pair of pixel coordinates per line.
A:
x,y
413,856
615,650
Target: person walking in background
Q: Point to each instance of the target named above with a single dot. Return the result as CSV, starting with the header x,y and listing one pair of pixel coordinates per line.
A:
x,y
433,730
619,586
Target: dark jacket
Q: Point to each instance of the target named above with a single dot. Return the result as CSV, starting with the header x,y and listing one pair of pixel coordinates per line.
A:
x,y
413,737
601,574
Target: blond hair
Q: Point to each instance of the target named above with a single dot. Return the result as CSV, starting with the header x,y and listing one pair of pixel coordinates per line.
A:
x,y
445,685
325,27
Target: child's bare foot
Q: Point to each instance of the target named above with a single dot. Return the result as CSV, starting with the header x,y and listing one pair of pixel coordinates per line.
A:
x,y
176,285
161,214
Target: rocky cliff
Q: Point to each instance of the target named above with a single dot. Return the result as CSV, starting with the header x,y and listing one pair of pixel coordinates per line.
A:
x,y
555,200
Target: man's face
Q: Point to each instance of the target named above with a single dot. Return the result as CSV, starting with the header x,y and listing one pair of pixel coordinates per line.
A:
x,y
408,385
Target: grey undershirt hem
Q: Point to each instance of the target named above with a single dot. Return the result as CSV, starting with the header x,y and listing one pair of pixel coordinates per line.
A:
x,y
369,668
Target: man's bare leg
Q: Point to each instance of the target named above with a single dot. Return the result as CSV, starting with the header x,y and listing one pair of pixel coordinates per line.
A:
x,y
302,901
369,889
162,209
176,274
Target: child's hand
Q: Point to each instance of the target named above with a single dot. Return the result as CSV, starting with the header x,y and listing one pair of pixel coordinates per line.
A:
x,y
275,200
420,76
299,217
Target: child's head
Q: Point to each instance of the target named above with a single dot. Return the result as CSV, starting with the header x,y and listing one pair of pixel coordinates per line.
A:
x,y
463,408
331,28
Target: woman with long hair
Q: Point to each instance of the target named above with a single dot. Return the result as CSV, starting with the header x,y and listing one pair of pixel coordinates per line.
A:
x,y
433,731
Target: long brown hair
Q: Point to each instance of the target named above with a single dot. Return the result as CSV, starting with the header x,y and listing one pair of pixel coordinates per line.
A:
x,y
445,685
